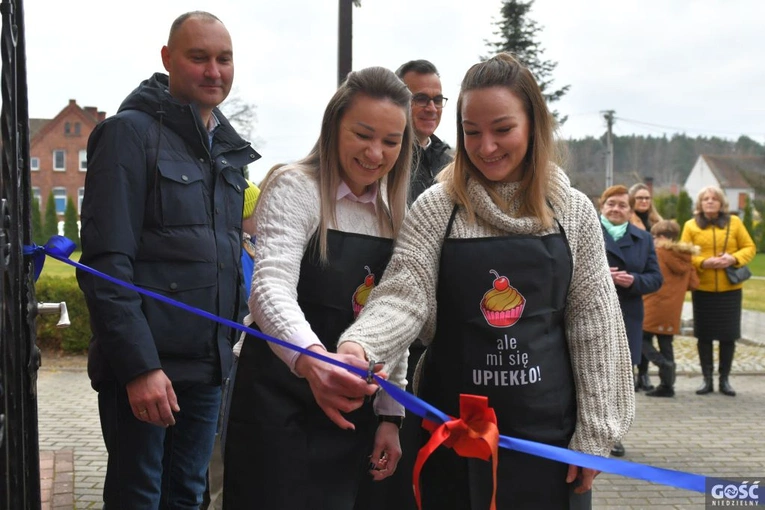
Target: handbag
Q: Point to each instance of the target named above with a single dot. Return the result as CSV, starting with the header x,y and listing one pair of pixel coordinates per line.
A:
x,y
738,274
735,274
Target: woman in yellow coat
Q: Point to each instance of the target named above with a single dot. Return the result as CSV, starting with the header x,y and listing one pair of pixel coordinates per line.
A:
x,y
724,242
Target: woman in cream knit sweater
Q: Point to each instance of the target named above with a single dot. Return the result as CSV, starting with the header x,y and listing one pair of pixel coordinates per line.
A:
x,y
324,229
500,269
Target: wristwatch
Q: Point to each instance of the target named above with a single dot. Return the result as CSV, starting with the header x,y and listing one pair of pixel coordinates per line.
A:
x,y
398,420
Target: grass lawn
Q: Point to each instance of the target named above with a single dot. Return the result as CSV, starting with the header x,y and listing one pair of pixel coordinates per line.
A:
x,y
754,295
758,265
754,289
57,269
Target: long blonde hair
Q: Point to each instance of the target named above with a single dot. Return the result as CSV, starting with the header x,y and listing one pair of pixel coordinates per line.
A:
x,y
504,70
376,83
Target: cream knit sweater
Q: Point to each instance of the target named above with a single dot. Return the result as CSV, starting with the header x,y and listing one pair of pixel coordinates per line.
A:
x,y
403,306
286,218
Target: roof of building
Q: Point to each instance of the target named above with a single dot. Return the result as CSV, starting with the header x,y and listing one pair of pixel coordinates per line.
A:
x,y
89,114
737,171
35,125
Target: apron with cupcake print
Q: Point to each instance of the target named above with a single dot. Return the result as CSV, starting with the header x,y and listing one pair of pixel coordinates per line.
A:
x,y
308,460
500,333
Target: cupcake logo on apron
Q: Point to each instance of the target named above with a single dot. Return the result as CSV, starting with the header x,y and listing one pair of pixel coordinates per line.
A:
x,y
362,292
503,305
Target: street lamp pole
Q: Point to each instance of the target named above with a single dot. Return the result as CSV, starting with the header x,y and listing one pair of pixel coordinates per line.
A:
x,y
609,116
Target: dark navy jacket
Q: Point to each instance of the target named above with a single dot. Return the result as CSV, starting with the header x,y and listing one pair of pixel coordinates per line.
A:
x,y
162,211
427,164
635,253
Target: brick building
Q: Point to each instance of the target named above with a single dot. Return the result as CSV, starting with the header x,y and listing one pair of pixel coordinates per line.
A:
x,y
58,154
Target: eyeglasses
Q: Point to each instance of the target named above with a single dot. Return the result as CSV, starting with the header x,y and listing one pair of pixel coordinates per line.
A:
x,y
642,198
424,100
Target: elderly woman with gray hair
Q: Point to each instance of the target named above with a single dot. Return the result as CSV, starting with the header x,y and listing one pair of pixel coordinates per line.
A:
x,y
724,242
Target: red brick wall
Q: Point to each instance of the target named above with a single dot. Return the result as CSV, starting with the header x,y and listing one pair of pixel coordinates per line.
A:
x,y
53,137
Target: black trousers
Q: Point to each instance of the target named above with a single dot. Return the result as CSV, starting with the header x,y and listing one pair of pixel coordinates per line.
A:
x,y
665,352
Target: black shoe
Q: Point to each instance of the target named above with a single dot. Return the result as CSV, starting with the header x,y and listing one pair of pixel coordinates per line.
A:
x,y
661,391
667,374
618,450
644,382
706,387
726,388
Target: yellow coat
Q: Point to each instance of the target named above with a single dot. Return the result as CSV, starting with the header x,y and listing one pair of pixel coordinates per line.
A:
x,y
711,241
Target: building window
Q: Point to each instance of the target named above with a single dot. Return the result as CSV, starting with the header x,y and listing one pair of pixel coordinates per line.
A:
x,y
742,201
59,196
83,160
34,163
36,195
80,196
67,128
77,128
59,160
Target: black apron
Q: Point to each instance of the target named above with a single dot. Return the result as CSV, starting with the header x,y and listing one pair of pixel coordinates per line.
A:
x,y
282,452
500,332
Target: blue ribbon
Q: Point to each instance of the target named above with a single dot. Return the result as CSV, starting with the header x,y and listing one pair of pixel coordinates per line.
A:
x,y
60,248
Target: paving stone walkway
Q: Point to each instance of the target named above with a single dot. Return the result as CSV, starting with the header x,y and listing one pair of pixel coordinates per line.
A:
x,y
709,435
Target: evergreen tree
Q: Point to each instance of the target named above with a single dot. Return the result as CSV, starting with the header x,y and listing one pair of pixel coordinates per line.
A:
x,y
50,227
666,205
684,208
38,236
517,34
748,218
70,223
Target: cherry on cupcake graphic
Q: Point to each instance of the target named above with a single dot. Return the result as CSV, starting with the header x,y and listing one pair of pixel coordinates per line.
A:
x,y
503,305
362,292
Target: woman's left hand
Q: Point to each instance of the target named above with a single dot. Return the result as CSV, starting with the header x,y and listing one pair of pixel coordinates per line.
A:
x,y
386,452
622,278
353,349
585,476
727,260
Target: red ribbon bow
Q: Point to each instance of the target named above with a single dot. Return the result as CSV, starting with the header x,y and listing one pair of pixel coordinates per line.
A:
x,y
473,434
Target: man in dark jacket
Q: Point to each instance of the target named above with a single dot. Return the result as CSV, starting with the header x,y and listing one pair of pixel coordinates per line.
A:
x,y
431,154
430,157
163,211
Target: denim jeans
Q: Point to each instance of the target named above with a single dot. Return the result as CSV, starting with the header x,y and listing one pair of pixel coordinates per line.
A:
x,y
151,467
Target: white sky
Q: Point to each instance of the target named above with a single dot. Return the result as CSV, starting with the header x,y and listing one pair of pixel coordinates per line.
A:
x,y
693,66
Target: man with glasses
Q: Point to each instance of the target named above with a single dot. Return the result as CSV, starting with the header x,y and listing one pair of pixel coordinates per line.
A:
x,y
431,154
430,157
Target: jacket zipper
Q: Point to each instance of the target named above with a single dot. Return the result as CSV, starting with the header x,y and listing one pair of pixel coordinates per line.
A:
x,y
714,251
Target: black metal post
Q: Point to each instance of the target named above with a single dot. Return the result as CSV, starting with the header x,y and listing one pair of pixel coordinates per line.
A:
x,y
19,357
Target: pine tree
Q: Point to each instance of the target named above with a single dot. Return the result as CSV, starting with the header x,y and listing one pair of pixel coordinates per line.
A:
x,y
748,219
70,223
684,208
38,236
50,226
517,35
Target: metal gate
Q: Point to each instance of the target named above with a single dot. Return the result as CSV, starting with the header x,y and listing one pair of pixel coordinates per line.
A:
x,y
19,357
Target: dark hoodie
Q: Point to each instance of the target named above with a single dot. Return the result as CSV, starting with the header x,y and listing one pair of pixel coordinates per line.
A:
x,y
163,211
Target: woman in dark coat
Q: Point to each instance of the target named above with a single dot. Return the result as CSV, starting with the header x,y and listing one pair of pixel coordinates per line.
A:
x,y
644,217
634,267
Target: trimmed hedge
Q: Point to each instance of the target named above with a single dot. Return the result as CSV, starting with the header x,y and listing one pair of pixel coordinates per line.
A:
x,y
75,338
